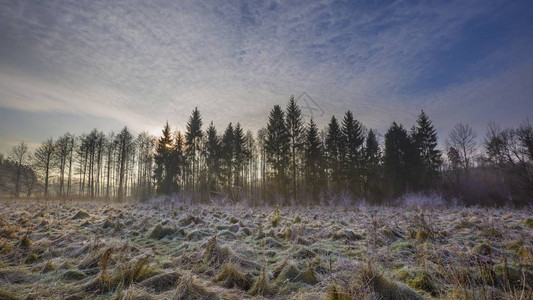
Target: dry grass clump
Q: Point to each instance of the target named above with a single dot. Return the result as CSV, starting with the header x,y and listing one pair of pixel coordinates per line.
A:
x,y
231,276
297,219
8,231
289,272
424,281
215,255
368,283
25,241
424,230
31,258
190,219
81,214
275,218
134,272
189,289
261,286
159,231
5,295
528,222
162,282
74,274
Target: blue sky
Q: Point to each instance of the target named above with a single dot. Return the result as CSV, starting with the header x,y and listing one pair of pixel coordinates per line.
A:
x,y
76,65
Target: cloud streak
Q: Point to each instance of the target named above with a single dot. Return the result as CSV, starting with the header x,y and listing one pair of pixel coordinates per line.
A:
x,y
142,63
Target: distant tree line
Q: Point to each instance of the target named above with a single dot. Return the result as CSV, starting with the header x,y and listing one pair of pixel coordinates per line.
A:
x,y
286,162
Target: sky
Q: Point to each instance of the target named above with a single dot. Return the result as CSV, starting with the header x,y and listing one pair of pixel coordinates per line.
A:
x,y
77,65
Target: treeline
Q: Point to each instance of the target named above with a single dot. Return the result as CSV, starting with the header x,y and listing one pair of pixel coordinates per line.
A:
x,y
287,162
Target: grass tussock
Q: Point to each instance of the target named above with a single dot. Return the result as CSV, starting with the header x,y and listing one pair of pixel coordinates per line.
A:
x,y
231,276
261,286
81,214
161,282
159,231
369,283
188,288
275,217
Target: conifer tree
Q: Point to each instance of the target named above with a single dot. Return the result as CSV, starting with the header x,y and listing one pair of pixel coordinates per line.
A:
x,y
352,163
239,154
165,160
227,156
335,152
314,155
396,168
277,148
212,156
193,139
426,143
295,130
372,157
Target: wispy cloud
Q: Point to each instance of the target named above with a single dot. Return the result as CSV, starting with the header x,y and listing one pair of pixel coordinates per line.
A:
x,y
146,62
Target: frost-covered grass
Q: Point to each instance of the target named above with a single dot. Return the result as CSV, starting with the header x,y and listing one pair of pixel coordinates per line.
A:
x,y
169,251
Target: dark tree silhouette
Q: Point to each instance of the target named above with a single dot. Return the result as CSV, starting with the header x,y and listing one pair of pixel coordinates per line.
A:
x,y
295,131
335,151
277,149
352,163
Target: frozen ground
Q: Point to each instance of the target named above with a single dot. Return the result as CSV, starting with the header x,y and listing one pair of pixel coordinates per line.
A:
x,y
130,251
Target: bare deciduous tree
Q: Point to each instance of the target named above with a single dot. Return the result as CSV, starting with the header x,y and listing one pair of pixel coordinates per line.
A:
x,y
463,139
19,155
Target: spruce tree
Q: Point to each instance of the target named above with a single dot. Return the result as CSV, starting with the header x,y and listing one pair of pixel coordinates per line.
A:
x,y
212,156
227,156
193,139
426,143
165,164
395,159
352,162
239,154
277,148
335,152
295,130
372,158
313,162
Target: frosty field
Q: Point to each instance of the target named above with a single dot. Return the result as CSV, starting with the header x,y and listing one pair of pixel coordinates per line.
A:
x,y
78,250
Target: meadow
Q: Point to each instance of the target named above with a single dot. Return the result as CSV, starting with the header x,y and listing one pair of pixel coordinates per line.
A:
x,y
99,250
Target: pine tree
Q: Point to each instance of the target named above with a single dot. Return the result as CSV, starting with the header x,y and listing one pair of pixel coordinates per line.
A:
x,y
426,143
277,148
295,130
314,155
353,137
335,152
